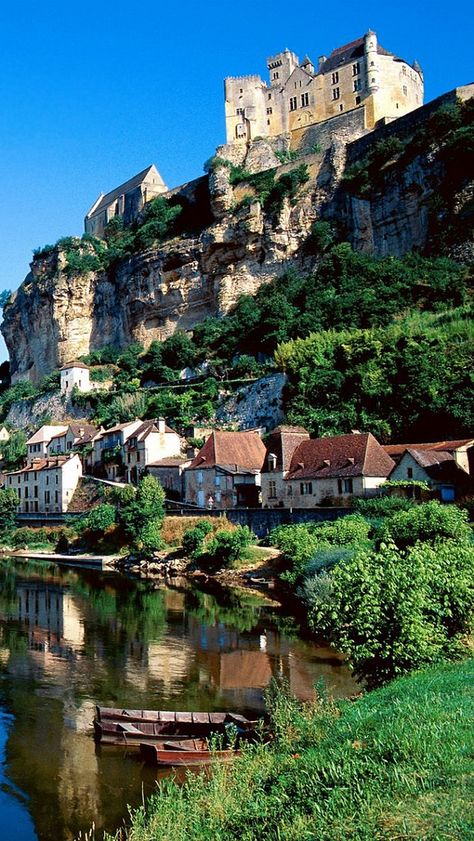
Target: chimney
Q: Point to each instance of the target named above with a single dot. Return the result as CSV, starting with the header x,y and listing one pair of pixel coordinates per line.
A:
x,y
161,424
321,60
191,452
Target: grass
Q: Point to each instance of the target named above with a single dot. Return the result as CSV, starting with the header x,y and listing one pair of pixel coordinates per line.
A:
x,y
396,764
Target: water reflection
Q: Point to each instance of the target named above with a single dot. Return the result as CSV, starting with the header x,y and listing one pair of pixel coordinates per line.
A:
x,y
69,640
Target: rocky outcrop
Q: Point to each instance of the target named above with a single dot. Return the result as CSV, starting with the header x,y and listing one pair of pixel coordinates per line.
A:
x,y
257,405
55,316
48,408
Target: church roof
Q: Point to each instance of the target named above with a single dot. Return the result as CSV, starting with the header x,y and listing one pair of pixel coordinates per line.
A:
x,y
106,199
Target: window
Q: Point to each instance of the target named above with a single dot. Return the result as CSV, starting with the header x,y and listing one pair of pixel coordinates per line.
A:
x,y
217,481
36,476
335,78
19,493
336,93
357,100
272,489
129,458
268,122
199,477
409,472
275,75
46,497
404,70
405,90
306,488
341,107
57,479
241,90
269,96
345,486
47,479
138,455
26,492
35,492
269,110
293,103
304,100
56,496
240,112
69,445
356,68
357,84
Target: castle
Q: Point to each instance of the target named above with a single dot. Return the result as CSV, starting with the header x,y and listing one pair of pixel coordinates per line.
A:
x,y
360,75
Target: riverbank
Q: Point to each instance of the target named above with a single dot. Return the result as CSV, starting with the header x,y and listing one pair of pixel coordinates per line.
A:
x,y
396,763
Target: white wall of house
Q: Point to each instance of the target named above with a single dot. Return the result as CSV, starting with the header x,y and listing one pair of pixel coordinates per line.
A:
x,y
408,468
48,489
75,376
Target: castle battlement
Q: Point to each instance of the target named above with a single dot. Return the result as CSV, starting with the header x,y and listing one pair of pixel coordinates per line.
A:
x,y
360,74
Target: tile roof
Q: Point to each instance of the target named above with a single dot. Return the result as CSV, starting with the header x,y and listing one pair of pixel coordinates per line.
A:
x,y
84,431
45,433
282,443
230,449
345,54
340,456
50,463
427,458
74,364
449,446
177,461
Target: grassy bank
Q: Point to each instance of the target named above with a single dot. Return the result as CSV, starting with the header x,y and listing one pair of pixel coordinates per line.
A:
x,y
396,764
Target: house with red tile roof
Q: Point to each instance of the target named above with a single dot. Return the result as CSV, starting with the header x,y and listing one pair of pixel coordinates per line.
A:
x,y
125,450
227,471
45,485
443,466
325,471
280,444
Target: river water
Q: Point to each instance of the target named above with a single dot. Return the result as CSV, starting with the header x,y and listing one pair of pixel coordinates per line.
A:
x,y
71,639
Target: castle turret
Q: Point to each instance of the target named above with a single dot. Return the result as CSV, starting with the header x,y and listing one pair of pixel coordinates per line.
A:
x,y
417,67
281,66
371,54
308,65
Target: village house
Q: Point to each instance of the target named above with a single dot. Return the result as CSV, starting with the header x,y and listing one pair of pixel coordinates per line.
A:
x,y
226,472
445,466
152,441
281,444
331,471
74,375
39,442
4,437
170,474
77,438
46,485
126,201
125,450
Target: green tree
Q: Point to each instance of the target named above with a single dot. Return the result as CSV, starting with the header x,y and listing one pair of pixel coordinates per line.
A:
x,y
14,450
8,508
140,512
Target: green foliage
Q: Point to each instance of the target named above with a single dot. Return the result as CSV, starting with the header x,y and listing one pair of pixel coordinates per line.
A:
x,y
50,383
14,451
178,351
286,156
430,522
412,379
101,375
193,539
395,763
99,519
298,545
228,547
159,222
392,611
8,505
140,512
23,390
381,506
5,296
321,237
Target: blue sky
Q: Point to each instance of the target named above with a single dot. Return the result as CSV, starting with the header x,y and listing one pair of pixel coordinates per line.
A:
x,y
91,93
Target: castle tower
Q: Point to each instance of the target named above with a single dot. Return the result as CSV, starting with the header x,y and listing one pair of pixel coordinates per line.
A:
x,y
371,55
281,66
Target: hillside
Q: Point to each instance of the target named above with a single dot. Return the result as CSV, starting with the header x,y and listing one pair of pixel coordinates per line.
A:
x,y
261,211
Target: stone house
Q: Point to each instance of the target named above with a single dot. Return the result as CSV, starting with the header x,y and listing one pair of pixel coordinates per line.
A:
x,y
333,470
280,444
74,374
46,485
226,472
38,444
4,436
359,75
444,465
150,442
170,474
126,201
77,438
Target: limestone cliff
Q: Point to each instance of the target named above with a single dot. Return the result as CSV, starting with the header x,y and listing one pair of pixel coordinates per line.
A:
x,y
57,315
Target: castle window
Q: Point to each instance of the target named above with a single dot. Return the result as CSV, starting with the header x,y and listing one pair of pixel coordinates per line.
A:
x,y
357,100
372,80
269,96
404,70
293,103
341,107
336,93
372,63
356,68
268,122
304,100
269,111
335,78
241,90
272,490
357,84
240,112
275,75
405,90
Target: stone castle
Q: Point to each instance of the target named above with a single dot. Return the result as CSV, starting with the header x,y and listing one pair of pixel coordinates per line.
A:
x,y
360,75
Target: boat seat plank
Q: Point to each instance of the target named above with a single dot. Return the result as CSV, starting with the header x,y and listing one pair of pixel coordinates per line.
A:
x,y
129,728
184,718
200,718
217,718
166,715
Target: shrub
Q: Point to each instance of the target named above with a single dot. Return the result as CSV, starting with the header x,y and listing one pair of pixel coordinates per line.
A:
x,y
100,518
8,506
193,539
298,545
227,547
430,521
381,506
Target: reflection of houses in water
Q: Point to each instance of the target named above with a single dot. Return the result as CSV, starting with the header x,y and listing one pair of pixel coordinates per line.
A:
x,y
52,616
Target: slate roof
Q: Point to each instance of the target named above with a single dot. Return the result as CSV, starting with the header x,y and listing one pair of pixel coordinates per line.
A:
x,y
349,52
427,458
231,450
107,199
340,456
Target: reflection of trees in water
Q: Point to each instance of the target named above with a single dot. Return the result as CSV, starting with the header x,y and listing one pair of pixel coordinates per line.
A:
x,y
137,613
239,611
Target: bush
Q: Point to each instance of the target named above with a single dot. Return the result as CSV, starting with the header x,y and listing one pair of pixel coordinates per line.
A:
x,y
228,547
381,506
99,519
193,539
430,521
298,545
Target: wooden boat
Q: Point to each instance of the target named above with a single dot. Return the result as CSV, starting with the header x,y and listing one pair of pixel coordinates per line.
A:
x,y
185,752
130,727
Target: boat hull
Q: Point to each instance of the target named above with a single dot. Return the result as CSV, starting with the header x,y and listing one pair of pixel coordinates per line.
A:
x,y
164,755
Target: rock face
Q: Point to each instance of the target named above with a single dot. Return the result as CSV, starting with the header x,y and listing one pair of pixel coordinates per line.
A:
x,y
55,316
259,404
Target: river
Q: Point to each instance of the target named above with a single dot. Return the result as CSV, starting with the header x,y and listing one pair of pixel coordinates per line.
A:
x,y
71,639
